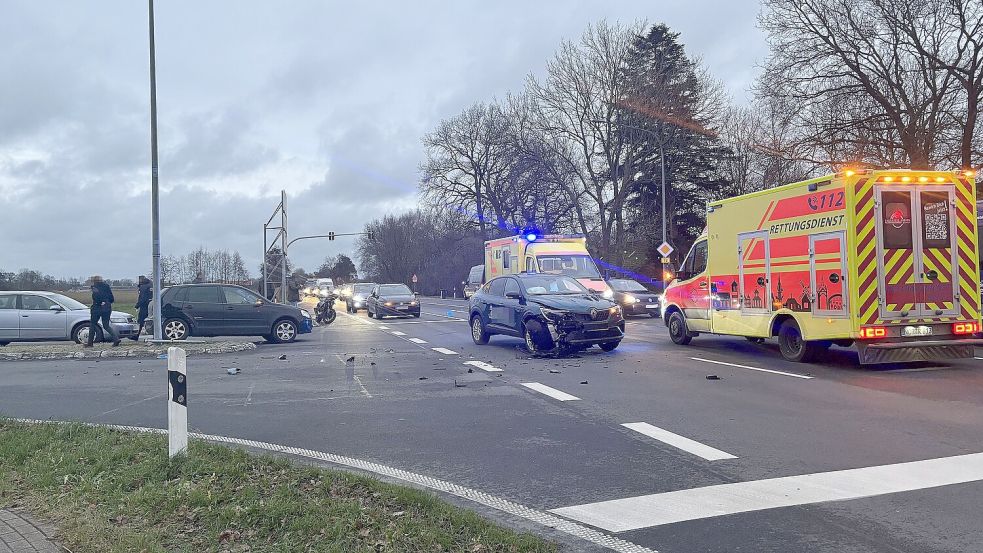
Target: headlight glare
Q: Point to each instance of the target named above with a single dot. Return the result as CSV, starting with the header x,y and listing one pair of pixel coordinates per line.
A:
x,y
608,293
630,298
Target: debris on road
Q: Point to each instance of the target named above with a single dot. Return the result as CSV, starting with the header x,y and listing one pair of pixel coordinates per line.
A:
x,y
350,359
456,385
422,378
712,377
554,371
282,357
470,371
584,382
233,370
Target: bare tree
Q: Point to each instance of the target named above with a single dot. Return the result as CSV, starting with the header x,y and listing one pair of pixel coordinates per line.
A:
x,y
862,91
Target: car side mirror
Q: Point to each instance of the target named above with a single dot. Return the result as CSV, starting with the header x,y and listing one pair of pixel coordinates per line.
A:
x,y
258,303
57,308
513,295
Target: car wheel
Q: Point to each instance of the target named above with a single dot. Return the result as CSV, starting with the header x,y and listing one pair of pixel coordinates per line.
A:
x,y
535,341
610,346
284,331
677,329
755,339
793,347
80,334
174,329
478,332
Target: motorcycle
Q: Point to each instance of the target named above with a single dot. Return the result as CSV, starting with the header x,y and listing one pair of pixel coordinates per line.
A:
x,y
324,312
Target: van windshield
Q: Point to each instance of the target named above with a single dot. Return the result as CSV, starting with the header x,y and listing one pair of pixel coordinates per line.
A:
x,y
577,266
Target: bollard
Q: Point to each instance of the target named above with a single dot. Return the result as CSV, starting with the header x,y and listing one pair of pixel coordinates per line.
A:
x,y
177,402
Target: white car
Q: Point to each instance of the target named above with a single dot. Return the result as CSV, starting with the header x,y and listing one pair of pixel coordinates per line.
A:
x,y
41,316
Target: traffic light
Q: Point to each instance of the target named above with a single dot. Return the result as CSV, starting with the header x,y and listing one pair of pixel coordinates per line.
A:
x,y
330,236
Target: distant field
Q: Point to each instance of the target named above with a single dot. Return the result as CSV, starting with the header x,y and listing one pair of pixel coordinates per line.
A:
x,y
124,299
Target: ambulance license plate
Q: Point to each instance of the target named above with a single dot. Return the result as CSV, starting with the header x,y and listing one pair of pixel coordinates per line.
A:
x,y
920,330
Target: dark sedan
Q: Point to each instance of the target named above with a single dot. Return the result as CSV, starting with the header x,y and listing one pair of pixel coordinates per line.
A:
x,y
552,313
227,310
392,300
634,298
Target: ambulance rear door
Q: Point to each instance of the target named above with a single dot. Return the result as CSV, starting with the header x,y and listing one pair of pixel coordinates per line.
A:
x,y
916,251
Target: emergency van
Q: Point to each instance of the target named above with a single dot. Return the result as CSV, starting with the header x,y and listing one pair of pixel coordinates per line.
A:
x,y
562,254
885,260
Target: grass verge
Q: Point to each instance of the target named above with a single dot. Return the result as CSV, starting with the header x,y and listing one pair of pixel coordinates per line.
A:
x,y
115,491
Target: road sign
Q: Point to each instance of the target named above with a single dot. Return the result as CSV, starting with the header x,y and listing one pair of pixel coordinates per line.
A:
x,y
664,249
414,278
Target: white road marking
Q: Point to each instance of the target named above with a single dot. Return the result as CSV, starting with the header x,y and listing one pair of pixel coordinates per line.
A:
x,y
482,498
783,373
483,366
362,387
398,333
418,341
249,397
445,316
681,442
632,513
383,327
445,351
552,392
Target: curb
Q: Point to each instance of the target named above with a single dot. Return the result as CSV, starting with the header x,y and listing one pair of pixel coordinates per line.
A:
x,y
212,348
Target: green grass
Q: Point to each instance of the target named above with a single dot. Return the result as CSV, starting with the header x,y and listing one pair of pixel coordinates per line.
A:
x,y
117,492
124,299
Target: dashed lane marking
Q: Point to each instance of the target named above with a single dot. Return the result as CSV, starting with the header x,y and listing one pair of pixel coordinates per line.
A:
x,y
483,366
552,392
417,341
680,442
398,333
445,351
783,373
632,513
510,507
383,327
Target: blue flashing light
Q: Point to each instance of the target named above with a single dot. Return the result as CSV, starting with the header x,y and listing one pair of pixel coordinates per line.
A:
x,y
531,237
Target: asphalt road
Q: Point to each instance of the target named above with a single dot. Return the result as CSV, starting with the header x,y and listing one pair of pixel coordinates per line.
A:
x,y
777,459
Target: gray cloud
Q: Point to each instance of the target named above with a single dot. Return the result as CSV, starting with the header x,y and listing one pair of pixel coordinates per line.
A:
x,y
327,100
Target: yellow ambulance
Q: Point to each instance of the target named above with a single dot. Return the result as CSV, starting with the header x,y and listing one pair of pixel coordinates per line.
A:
x,y
885,260
530,252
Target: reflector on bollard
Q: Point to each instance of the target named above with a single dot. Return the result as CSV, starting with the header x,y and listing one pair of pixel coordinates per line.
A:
x,y
177,402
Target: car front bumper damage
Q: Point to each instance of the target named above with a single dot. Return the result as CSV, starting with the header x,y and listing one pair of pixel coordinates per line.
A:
x,y
568,331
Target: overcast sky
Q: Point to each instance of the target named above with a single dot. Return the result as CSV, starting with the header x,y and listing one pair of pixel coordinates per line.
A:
x,y
327,100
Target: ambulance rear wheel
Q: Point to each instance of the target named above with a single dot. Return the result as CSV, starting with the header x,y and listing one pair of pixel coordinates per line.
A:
x,y
793,347
677,329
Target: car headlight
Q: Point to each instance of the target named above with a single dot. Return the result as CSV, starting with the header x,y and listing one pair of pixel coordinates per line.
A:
x,y
630,298
412,303
616,310
389,304
608,293
305,313
552,315
358,297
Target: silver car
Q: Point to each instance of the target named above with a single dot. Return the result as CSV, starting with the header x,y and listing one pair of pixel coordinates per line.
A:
x,y
41,316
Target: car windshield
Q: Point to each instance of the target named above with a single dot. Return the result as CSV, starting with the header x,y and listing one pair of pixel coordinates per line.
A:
x,y
364,288
626,285
577,266
395,290
68,302
542,285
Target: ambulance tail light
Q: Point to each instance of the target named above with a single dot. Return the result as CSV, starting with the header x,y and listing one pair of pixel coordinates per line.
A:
x,y
873,332
965,328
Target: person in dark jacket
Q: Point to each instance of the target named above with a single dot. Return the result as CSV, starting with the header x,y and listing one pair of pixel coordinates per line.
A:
x,y
294,285
102,308
146,293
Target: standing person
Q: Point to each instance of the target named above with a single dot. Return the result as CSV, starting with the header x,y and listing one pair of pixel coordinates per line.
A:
x,y
293,291
146,293
102,308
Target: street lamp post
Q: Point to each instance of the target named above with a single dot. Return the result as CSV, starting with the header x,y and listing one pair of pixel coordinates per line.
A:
x,y
154,189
